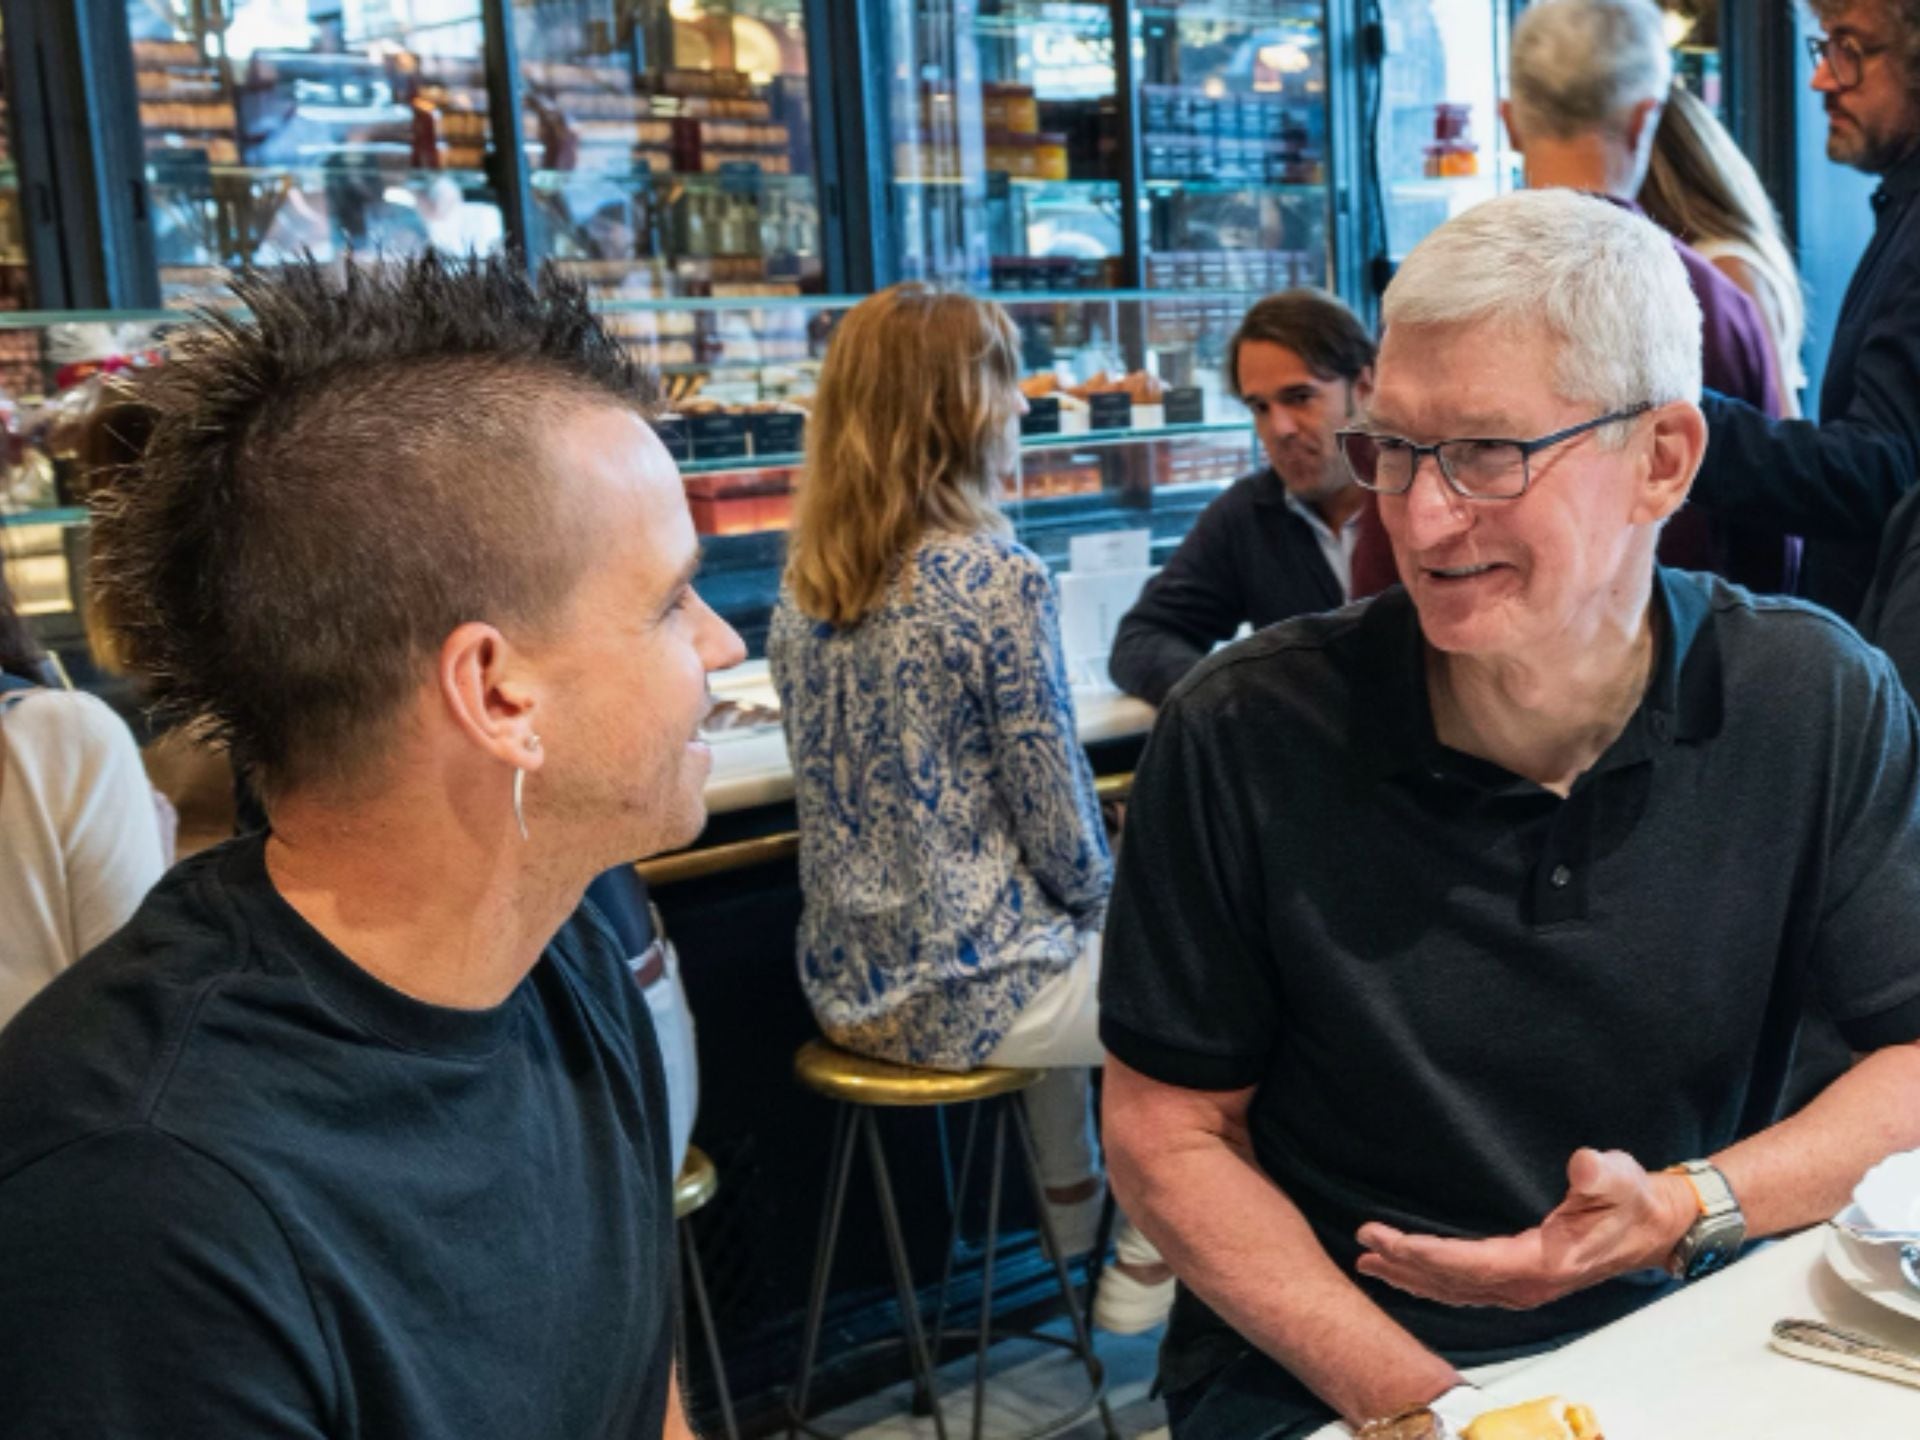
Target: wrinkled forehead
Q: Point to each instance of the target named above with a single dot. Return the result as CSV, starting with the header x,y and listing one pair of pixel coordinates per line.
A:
x,y
1492,377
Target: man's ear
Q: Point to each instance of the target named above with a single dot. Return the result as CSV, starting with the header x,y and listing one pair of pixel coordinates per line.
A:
x,y
487,692
1677,442
1642,121
1513,131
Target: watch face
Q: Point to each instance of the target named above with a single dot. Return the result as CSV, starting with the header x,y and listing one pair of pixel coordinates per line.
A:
x,y
1712,1258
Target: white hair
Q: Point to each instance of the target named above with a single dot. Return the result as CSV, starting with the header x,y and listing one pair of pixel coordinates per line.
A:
x,y
1582,65
1604,284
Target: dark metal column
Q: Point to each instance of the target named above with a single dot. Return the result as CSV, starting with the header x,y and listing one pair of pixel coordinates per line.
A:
x,y
1133,193
76,134
1759,48
507,165
846,66
1349,150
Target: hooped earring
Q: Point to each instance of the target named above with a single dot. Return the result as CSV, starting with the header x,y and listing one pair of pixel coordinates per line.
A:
x,y
520,786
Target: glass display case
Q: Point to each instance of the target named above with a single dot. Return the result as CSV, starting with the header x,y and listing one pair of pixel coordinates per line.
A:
x,y
670,146
15,292
1130,425
1108,446
1440,146
272,128
20,349
1005,142
1233,118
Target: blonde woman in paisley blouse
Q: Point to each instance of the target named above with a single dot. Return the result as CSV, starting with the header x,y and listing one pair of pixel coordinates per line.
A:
x,y
952,861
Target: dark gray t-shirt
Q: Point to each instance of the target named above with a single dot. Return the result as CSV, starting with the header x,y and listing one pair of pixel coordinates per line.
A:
x,y
248,1190
1443,979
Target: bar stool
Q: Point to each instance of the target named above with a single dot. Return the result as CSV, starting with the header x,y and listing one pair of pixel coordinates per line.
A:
x,y
862,1086
693,1187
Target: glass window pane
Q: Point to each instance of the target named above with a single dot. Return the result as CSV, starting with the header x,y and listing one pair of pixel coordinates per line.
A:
x,y
1233,134
1693,29
1441,142
671,145
279,127
1005,143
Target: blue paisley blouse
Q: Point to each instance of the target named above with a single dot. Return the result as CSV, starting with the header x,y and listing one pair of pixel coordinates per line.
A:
x,y
951,851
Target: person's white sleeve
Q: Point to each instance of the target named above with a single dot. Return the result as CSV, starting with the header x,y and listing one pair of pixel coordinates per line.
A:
x,y
109,832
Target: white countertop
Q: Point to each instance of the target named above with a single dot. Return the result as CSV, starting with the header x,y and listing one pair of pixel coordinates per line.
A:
x,y
1698,1364
750,767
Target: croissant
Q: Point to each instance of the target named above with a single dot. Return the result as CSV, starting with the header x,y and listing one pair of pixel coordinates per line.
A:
x,y
1548,1419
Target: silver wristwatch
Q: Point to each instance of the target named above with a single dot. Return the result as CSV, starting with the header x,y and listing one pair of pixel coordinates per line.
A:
x,y
1721,1229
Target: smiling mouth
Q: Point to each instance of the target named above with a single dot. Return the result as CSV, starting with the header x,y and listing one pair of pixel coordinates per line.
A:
x,y
1460,572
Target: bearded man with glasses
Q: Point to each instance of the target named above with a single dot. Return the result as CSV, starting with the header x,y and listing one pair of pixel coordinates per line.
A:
x,y
1838,482
1490,907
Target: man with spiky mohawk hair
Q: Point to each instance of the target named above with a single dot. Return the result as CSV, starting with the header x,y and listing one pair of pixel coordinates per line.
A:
x,y
358,1128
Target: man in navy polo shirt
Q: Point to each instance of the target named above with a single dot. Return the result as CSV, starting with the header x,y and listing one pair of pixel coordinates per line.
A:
x,y
1448,924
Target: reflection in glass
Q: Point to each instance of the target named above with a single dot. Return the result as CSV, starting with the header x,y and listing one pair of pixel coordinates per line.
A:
x,y
273,129
1440,140
1233,120
671,145
1005,146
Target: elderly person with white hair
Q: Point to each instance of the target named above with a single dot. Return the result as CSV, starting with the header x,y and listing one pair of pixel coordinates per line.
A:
x,y
1589,81
1462,937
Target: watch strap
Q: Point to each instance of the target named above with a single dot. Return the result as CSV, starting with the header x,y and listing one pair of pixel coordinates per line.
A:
x,y
1710,1187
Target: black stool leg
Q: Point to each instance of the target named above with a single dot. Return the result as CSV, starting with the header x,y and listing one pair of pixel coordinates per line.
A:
x,y
704,1309
845,1138
956,1202
1097,1261
1083,1340
986,1281
902,1275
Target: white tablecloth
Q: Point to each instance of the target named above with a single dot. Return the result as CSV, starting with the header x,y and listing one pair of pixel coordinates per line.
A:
x,y
1697,1364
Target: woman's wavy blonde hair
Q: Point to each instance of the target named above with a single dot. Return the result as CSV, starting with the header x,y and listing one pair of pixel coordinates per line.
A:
x,y
911,435
1701,187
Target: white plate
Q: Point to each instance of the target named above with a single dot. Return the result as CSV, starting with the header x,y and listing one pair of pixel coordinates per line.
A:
x,y
1889,1196
1873,1270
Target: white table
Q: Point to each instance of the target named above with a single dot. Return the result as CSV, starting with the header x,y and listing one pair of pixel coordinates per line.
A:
x,y
752,767
1698,1364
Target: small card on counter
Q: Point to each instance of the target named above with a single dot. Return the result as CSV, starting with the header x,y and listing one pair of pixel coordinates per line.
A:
x,y
673,433
780,433
1186,405
1110,550
718,437
1042,417
1110,410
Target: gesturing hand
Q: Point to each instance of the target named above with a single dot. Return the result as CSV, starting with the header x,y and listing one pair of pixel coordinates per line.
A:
x,y
1616,1218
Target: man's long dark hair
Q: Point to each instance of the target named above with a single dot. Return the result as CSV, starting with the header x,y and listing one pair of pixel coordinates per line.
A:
x,y
338,480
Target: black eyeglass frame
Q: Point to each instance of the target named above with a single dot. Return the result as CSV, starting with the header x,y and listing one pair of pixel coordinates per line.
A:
x,y
1823,48
1527,448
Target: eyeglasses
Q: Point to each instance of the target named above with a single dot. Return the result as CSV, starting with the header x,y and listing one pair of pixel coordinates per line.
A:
x,y
1476,469
1846,57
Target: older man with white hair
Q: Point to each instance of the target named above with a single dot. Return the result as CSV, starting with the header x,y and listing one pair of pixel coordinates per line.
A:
x,y
1462,937
1589,80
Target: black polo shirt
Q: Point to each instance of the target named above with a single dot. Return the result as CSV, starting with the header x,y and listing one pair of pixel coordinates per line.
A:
x,y
1443,979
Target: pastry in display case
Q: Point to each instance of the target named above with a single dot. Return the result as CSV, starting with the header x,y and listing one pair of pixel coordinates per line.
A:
x,y
186,105
1007,153
1233,137
271,135
671,154
1129,427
